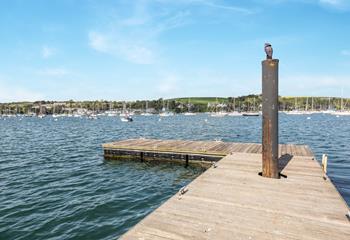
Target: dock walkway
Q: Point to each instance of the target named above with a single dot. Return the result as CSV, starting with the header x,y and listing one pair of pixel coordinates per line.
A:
x,y
231,201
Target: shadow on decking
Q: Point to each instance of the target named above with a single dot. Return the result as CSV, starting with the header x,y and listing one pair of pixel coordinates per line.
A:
x,y
283,162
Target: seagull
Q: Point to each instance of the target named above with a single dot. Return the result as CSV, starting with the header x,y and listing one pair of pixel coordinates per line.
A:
x,y
268,50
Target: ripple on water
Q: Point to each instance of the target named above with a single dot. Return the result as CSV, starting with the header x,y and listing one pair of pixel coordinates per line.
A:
x,y
55,185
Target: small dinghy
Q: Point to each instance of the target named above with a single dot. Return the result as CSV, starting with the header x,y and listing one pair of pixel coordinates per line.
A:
x,y
126,118
251,114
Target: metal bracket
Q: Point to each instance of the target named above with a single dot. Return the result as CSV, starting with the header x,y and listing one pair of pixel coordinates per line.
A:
x,y
186,164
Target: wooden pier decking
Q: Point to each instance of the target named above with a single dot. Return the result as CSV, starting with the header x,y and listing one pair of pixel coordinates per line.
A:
x,y
190,151
231,201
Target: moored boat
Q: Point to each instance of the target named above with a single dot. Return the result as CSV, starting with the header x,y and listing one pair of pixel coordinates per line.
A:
x,y
251,114
126,119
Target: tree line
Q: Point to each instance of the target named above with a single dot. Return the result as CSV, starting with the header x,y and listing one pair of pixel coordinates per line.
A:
x,y
178,105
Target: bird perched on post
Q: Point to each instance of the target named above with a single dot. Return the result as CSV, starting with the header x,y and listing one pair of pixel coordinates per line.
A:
x,y
268,50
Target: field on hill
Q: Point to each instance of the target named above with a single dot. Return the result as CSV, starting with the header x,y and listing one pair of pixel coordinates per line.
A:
x,y
201,100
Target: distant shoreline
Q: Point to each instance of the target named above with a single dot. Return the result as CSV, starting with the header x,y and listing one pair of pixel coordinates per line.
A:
x,y
178,105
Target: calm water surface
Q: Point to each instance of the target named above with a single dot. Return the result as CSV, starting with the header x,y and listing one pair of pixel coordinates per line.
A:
x,y
55,185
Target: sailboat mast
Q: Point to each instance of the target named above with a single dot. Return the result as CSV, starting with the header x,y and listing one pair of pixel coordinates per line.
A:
x,y
341,100
234,104
189,105
254,104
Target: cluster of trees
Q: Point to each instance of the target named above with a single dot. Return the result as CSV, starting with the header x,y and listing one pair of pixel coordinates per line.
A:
x,y
49,107
178,105
254,102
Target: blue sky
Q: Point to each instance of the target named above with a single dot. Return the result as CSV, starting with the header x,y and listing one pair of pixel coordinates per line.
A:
x,y
146,49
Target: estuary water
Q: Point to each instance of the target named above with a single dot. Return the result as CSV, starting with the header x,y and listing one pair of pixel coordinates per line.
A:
x,y
55,184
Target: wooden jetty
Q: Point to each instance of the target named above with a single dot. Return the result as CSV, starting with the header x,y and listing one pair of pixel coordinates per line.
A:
x,y
231,200
188,151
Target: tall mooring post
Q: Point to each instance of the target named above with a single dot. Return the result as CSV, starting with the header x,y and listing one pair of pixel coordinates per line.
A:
x,y
270,115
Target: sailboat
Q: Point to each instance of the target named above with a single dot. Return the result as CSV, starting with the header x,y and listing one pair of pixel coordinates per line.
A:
x,y
312,106
345,113
189,113
123,113
29,113
295,111
253,113
41,115
307,111
124,116
342,112
234,113
165,111
329,109
54,115
10,114
218,113
111,112
92,114
146,113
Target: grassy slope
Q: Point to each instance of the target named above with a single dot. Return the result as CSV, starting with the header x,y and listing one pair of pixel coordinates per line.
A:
x,y
201,100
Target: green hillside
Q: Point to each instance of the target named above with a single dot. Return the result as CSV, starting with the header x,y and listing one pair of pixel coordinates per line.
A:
x,y
201,100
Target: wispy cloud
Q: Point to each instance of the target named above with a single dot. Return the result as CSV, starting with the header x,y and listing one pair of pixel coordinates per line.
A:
x,y
335,3
315,84
340,5
47,52
13,93
134,37
98,42
229,6
345,52
53,72
168,84
131,50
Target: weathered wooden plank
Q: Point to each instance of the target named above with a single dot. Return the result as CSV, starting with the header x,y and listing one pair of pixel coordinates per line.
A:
x,y
232,201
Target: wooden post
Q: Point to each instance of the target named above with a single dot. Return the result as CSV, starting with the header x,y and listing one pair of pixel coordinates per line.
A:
x,y
186,164
270,118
